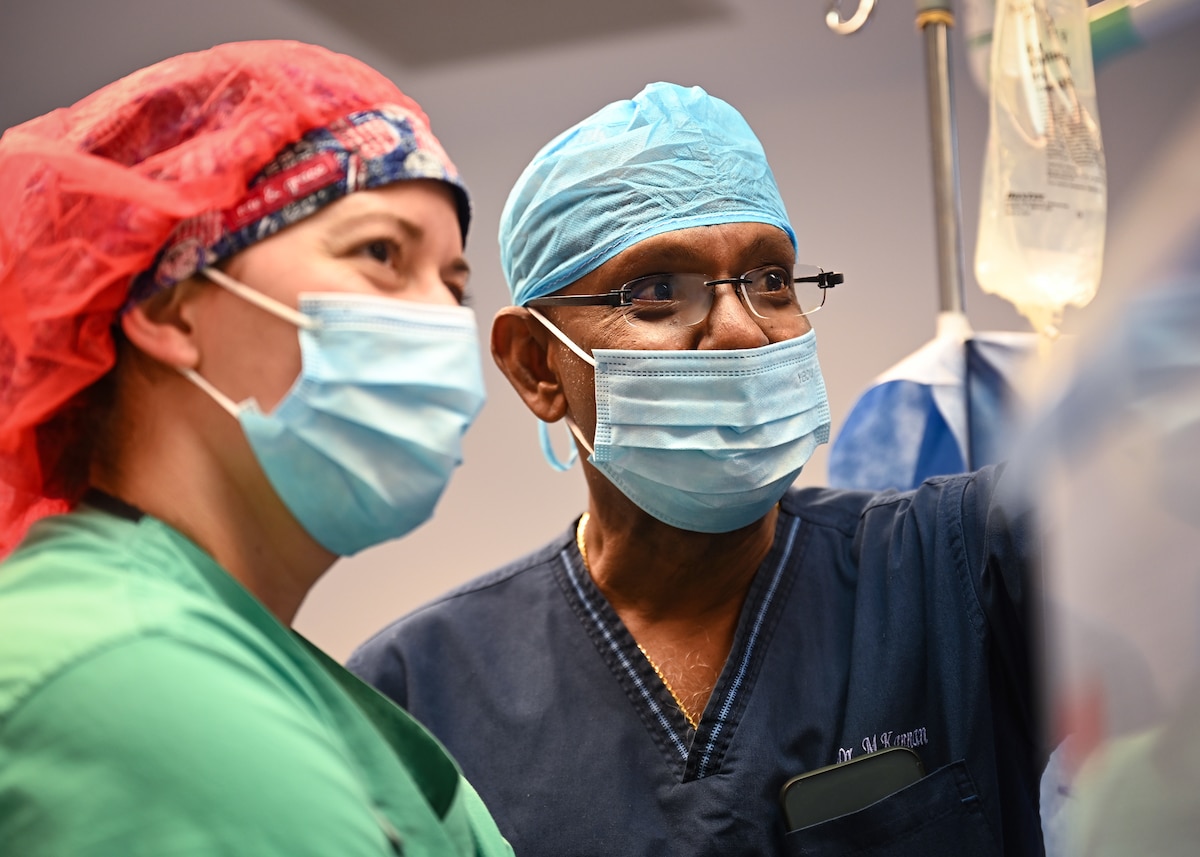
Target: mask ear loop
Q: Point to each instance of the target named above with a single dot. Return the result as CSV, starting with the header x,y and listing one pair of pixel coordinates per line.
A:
x,y
562,337
260,300
548,451
543,428
232,407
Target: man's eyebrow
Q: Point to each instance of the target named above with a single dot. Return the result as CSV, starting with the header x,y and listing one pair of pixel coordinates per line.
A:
x,y
768,246
678,257
662,257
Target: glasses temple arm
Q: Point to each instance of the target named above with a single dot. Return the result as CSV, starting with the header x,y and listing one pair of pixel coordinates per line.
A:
x,y
613,298
824,280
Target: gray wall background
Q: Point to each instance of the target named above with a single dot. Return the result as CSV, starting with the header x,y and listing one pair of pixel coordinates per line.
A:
x,y
843,120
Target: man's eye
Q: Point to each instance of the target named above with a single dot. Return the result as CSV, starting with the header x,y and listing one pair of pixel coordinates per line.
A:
x,y
653,289
773,281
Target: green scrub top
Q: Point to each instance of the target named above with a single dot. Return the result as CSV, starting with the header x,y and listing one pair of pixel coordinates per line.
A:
x,y
149,705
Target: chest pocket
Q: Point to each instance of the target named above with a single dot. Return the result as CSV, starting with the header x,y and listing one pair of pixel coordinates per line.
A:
x,y
939,814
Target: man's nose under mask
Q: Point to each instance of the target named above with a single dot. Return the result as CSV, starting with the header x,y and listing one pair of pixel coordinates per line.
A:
x,y
706,441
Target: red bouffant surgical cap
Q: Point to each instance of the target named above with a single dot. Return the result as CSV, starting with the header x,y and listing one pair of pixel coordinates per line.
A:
x,y
135,187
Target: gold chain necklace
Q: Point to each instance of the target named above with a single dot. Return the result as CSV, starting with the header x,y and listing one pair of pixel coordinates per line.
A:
x,y
581,541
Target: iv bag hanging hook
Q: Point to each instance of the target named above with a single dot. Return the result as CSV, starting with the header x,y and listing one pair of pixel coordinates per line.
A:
x,y
844,27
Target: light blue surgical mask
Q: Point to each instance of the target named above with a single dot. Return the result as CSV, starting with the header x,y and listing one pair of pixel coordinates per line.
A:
x,y
363,444
706,441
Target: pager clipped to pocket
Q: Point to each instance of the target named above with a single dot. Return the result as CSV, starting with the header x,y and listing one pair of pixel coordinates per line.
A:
x,y
835,790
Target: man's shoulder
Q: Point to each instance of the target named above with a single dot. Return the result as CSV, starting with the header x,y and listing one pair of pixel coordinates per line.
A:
x,y
487,597
844,509
839,509
527,570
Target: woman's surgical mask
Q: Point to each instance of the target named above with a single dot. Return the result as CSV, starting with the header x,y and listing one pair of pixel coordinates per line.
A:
x,y
363,444
706,441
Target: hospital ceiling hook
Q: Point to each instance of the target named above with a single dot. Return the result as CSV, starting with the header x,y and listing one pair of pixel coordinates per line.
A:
x,y
844,27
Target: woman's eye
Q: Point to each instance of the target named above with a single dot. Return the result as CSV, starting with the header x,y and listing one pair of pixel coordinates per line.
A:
x,y
381,251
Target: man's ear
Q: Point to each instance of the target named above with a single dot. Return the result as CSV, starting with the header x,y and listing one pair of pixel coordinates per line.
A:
x,y
163,326
520,348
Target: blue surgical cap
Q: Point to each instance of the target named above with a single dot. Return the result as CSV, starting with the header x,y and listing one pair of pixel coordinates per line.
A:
x,y
671,158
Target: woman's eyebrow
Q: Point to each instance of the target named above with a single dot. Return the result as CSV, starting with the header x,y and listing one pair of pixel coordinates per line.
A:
x,y
367,216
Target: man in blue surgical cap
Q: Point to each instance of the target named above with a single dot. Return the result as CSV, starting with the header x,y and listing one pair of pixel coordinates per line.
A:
x,y
647,682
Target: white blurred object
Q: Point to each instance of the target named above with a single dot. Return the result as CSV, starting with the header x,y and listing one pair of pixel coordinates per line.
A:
x,y
846,26
1117,26
1138,794
1120,495
1114,462
1044,201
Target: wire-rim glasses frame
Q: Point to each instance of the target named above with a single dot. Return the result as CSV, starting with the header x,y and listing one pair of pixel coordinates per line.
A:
x,y
653,298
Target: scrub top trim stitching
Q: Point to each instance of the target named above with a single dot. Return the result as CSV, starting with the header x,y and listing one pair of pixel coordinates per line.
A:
x,y
727,703
573,572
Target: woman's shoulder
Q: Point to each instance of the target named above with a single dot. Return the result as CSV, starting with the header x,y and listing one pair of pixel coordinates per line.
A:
x,y
82,590
137,739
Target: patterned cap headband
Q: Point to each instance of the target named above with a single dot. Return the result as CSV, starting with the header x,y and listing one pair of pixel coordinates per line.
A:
x,y
367,149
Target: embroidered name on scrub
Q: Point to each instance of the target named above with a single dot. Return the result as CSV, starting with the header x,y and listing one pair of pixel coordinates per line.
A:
x,y
882,740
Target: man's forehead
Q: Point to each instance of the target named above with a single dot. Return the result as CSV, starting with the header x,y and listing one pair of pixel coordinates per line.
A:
x,y
698,249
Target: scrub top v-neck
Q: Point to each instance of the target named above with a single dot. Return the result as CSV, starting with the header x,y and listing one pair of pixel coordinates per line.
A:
x,y
691,752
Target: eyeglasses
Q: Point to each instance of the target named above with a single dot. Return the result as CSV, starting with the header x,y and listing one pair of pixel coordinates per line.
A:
x,y
771,293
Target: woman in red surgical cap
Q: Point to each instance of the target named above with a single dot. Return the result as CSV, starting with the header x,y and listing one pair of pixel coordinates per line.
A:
x,y
232,349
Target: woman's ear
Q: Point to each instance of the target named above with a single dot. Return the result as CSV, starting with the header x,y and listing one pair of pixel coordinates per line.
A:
x,y
163,326
520,348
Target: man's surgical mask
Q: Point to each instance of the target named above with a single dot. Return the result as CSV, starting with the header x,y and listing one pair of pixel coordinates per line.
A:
x,y
706,441
363,444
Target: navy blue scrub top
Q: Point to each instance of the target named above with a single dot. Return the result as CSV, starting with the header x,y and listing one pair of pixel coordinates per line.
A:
x,y
874,621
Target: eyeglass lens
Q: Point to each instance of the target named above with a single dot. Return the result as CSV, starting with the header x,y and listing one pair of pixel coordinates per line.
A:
x,y
770,293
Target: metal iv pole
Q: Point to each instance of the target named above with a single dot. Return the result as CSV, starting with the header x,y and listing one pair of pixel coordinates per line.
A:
x,y
934,20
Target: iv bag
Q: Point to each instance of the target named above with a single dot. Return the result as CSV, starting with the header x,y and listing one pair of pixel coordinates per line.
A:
x,y
1042,214
978,18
